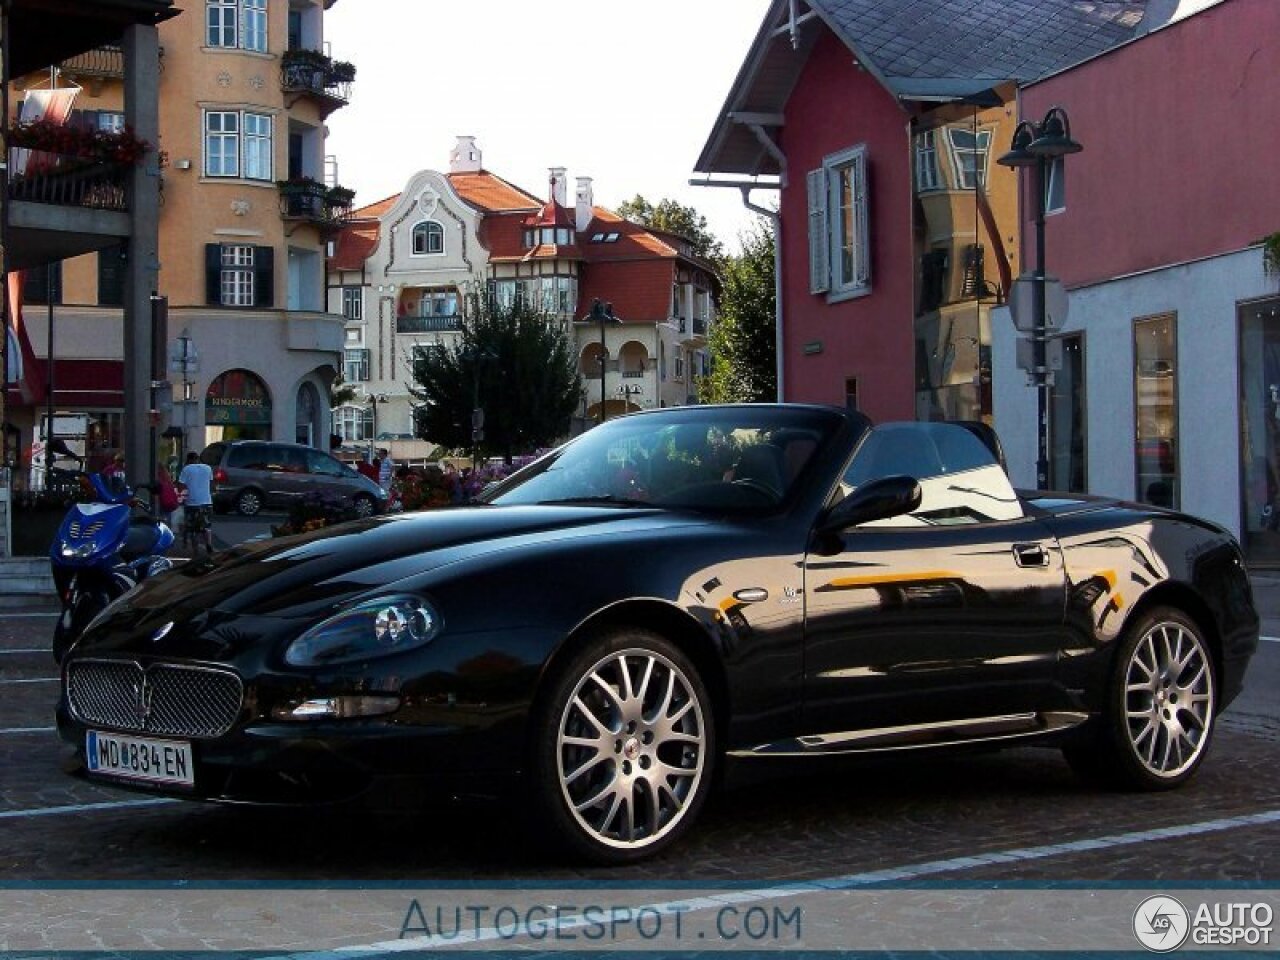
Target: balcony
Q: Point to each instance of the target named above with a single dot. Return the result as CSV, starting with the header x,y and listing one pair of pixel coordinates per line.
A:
x,y
100,62
690,329
415,324
67,181
310,201
312,74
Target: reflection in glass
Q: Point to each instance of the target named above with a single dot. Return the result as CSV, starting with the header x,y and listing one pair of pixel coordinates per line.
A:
x,y
1156,406
1067,420
1260,429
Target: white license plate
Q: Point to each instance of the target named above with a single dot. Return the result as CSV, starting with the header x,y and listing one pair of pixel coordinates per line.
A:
x,y
135,758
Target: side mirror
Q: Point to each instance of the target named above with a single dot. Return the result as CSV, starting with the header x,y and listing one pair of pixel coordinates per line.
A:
x,y
878,500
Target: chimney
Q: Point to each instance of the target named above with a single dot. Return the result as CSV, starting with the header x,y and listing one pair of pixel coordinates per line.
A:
x,y
559,186
584,204
465,157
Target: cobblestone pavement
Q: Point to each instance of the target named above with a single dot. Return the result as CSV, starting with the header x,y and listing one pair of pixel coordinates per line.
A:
x,y
785,821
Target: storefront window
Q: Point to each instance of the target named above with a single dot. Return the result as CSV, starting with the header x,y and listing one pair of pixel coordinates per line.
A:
x,y
1067,420
1156,408
1260,429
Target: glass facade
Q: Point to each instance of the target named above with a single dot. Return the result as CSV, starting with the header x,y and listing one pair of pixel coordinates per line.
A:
x,y
1260,430
1155,383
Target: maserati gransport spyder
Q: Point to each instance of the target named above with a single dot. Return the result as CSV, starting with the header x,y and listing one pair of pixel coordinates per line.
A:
x,y
607,626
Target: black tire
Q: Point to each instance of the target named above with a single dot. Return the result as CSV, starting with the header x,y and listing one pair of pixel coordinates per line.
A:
x,y
605,798
363,504
1160,710
249,502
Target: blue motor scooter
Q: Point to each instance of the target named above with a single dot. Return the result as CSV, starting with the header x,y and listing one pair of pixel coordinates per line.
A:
x,y
101,551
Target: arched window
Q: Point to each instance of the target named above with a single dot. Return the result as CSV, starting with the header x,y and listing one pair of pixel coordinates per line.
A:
x,y
428,238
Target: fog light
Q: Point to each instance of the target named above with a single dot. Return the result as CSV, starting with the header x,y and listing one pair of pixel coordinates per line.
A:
x,y
337,708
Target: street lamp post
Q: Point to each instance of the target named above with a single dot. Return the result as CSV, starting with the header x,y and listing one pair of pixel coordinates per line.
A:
x,y
602,313
1036,146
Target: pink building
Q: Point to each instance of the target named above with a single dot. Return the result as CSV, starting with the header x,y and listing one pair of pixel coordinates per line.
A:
x,y
1169,390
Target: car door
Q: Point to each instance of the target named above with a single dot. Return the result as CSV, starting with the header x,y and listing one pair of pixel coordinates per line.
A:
x,y
949,618
286,474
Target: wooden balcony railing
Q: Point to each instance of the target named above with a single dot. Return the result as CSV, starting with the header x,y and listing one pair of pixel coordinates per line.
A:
x,y
67,181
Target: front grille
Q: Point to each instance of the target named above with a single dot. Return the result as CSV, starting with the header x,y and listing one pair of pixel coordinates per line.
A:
x,y
164,698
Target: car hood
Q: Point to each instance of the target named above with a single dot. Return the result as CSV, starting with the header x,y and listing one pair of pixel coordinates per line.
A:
x,y
304,576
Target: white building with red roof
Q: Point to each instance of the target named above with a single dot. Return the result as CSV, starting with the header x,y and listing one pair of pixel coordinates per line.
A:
x,y
401,269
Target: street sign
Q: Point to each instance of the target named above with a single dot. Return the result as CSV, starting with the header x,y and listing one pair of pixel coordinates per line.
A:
x,y
1026,352
1022,303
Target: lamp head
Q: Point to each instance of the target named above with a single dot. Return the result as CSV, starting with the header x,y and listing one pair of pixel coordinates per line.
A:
x,y
1024,134
1055,136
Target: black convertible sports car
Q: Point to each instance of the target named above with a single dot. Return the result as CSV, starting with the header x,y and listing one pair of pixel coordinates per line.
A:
x,y
670,588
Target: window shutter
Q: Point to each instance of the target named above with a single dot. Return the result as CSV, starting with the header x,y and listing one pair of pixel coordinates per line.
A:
x,y
213,273
819,238
264,280
862,268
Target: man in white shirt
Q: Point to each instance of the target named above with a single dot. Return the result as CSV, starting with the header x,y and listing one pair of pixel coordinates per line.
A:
x,y
196,479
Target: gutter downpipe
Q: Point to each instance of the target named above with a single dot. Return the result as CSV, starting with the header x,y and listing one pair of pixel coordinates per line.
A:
x,y
775,218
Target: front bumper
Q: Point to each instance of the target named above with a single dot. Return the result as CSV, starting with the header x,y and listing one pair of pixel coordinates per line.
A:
x,y
292,764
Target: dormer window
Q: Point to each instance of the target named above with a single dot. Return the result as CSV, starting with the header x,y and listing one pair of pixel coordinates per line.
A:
x,y
428,238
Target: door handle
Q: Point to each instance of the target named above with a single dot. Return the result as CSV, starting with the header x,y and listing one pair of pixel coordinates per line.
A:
x,y
1030,555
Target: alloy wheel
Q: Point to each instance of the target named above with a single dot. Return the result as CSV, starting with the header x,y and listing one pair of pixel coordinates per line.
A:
x,y
248,503
631,748
1168,699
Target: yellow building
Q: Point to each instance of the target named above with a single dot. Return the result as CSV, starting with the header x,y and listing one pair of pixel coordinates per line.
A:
x,y
247,199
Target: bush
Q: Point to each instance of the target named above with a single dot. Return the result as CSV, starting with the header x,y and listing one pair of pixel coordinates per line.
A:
x,y
313,511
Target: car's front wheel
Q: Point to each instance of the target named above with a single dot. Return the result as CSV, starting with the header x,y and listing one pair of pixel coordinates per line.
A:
x,y
1160,708
363,505
624,748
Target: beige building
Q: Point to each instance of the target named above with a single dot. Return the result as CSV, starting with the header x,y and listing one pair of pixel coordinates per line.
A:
x,y
248,199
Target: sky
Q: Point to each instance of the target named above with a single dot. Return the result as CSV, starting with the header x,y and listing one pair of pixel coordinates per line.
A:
x,y
623,91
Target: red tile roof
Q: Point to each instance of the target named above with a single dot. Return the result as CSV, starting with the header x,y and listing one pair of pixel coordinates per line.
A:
x,y
491,193
375,210
355,244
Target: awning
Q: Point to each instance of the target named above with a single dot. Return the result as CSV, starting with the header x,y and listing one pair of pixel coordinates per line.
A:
x,y
79,384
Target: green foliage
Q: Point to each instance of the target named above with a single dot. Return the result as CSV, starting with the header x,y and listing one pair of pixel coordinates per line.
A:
x,y
674,218
742,340
516,363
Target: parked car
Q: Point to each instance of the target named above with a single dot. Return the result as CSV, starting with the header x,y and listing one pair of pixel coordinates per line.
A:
x,y
250,475
671,588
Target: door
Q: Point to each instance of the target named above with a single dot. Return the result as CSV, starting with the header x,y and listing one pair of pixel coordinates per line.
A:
x,y
951,616
286,474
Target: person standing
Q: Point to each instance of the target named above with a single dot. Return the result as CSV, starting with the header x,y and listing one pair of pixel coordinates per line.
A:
x,y
113,475
386,468
196,479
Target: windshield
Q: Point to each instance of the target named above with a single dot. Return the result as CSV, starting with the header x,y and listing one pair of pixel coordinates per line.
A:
x,y
716,458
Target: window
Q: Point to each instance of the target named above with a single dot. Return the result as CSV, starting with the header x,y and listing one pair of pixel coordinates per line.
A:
x,y
679,371
237,24
257,146
355,367
110,121
228,133
428,239
111,269
239,275
1055,186
961,480
442,302
851,393
969,152
1156,405
354,423
355,336
839,230
505,294
927,176
43,284
1068,420
567,294
353,304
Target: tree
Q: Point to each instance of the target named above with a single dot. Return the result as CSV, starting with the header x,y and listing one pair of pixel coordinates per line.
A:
x,y
674,218
743,340
515,363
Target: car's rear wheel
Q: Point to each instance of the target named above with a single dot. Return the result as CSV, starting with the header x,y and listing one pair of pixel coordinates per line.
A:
x,y
363,504
1160,709
624,748
249,503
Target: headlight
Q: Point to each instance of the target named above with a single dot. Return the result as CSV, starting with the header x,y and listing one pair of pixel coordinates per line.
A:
x,y
375,628
79,551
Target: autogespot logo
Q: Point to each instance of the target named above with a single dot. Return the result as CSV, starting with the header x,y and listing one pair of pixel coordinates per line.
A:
x,y
1161,924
